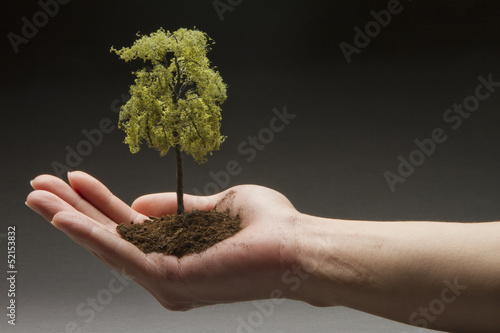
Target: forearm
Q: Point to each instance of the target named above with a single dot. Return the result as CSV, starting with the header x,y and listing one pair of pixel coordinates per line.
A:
x,y
433,274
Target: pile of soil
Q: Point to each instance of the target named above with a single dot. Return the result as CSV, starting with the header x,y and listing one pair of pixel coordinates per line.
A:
x,y
180,235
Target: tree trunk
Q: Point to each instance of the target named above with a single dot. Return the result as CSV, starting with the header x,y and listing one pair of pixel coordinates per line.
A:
x,y
180,185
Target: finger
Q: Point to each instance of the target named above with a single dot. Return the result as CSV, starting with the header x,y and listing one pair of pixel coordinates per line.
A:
x,y
107,245
65,192
100,197
160,204
48,204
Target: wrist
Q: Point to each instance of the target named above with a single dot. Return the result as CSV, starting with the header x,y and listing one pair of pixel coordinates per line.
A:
x,y
325,254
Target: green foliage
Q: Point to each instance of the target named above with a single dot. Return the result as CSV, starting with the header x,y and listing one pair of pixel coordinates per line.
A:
x,y
177,100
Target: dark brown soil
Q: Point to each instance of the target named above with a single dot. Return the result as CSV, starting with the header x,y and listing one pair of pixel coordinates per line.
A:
x,y
180,235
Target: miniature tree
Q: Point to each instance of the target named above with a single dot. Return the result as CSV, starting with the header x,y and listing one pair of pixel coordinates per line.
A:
x,y
176,102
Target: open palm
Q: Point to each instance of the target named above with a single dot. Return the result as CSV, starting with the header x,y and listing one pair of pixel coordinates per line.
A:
x,y
247,266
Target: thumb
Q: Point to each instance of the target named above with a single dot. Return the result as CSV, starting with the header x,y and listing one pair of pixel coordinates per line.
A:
x,y
159,204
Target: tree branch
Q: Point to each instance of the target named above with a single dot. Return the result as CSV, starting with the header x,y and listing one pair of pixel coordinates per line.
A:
x,y
178,83
196,129
183,87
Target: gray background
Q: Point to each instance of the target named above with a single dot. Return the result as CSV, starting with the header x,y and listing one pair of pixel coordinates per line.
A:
x,y
353,121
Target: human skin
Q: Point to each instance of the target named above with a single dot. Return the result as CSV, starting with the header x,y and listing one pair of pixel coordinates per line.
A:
x,y
440,275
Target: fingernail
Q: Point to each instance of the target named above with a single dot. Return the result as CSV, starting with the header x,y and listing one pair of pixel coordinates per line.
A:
x,y
69,174
26,203
31,184
55,226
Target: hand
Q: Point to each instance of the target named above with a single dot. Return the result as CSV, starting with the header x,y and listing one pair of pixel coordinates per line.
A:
x,y
247,266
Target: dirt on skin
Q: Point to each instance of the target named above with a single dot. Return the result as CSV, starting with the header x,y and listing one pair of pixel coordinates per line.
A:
x,y
180,235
